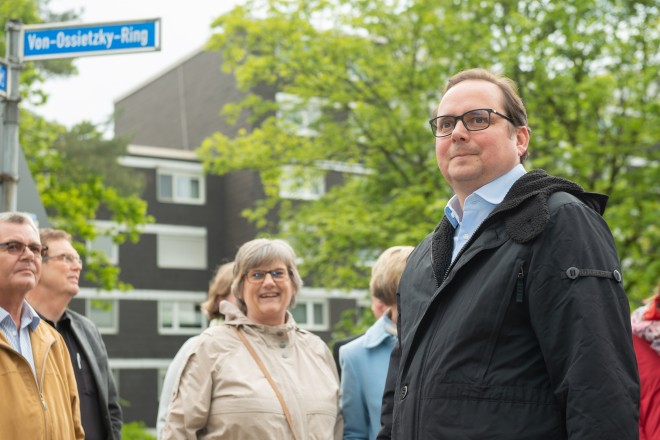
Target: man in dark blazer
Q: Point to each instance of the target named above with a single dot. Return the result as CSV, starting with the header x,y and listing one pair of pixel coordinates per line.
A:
x,y
99,406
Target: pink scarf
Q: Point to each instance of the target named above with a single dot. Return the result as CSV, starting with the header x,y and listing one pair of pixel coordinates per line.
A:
x,y
646,323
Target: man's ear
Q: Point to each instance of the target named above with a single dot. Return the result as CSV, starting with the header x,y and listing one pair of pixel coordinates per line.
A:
x,y
522,139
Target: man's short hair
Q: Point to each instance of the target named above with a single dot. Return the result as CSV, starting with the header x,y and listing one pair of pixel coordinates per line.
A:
x,y
386,273
513,104
19,218
48,234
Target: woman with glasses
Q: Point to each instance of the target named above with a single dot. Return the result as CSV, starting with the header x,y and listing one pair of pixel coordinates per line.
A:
x,y
258,375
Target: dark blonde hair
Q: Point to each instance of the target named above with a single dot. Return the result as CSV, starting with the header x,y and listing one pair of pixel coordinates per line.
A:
x,y
259,252
513,104
46,235
219,289
386,273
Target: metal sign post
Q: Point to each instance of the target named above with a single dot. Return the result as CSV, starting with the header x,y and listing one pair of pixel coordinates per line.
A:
x,y
10,113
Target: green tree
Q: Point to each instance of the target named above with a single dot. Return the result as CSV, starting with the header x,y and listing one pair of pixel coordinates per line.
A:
x,y
78,176
588,71
136,431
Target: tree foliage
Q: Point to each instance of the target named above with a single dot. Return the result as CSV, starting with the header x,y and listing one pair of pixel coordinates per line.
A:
x,y
588,71
76,171
78,176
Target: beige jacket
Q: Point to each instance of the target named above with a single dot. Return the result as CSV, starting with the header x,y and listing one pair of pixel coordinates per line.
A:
x,y
222,394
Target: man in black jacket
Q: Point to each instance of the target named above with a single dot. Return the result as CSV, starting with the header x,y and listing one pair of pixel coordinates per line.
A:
x,y
513,322
99,403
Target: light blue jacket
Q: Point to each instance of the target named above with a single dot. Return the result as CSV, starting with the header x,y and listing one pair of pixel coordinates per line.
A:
x,y
364,362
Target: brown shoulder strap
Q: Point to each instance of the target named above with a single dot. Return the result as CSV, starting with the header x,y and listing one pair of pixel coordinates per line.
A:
x,y
269,378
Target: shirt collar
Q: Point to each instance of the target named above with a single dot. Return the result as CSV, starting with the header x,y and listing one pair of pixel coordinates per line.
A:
x,y
64,320
29,316
493,192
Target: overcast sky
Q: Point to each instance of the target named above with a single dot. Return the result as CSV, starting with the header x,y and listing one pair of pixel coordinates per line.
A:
x,y
103,79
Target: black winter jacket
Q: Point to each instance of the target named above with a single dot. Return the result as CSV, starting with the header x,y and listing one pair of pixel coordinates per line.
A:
x,y
525,336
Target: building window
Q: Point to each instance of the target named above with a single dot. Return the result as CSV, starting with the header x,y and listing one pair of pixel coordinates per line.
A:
x,y
104,313
301,183
181,251
311,314
296,115
106,246
181,187
180,318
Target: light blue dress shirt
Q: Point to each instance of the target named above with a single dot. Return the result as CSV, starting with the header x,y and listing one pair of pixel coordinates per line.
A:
x,y
19,339
364,363
478,206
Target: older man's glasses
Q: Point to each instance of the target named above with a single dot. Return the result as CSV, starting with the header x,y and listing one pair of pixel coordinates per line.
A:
x,y
17,248
473,120
259,276
64,257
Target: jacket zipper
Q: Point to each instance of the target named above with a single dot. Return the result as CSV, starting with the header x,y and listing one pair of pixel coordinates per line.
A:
x,y
465,246
40,386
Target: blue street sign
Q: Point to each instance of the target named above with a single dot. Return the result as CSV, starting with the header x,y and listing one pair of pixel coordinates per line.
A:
x,y
66,40
3,78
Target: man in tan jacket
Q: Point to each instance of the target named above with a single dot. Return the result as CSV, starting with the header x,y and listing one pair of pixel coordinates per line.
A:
x,y
39,396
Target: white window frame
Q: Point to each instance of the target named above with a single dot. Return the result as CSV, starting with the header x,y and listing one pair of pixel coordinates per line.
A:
x,y
176,327
311,325
189,233
177,175
301,183
295,114
114,310
112,255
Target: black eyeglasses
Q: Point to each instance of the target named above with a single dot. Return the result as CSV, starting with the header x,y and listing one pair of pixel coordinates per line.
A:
x,y
64,257
473,120
17,248
259,276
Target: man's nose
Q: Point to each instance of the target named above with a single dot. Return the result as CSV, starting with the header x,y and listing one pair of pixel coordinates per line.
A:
x,y
460,131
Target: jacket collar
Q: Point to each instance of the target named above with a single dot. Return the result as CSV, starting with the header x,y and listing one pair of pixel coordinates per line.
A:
x,y
234,316
526,210
378,333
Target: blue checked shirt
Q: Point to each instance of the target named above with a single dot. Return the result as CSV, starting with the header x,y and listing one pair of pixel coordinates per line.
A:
x,y
20,338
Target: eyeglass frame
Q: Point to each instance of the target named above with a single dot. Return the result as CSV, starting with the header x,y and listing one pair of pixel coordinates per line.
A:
x,y
434,127
41,253
69,258
286,274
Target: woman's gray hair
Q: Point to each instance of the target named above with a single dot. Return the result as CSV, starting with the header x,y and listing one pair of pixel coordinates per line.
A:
x,y
261,252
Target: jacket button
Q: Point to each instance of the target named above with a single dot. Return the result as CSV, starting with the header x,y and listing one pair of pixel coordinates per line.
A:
x,y
404,392
572,272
